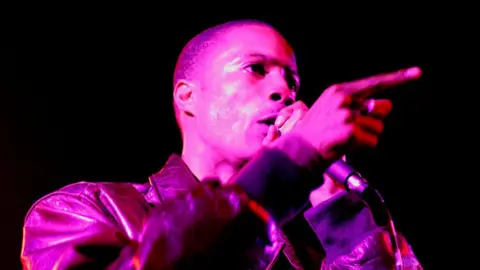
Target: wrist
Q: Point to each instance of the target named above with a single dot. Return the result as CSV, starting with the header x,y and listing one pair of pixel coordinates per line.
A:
x,y
328,190
300,151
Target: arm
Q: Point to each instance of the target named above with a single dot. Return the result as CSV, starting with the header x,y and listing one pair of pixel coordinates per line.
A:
x,y
345,227
343,223
351,239
74,230
68,230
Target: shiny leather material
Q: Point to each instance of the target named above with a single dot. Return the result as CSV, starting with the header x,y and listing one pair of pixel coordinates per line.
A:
x,y
173,222
373,252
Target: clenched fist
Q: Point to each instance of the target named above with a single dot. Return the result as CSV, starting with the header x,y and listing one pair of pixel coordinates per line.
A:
x,y
286,119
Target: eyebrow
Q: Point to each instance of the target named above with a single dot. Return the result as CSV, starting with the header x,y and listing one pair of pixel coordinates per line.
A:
x,y
274,61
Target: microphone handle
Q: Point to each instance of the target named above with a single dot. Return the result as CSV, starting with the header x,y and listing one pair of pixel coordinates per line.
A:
x,y
342,173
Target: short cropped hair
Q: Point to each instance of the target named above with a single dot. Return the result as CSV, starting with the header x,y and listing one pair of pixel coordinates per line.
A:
x,y
193,55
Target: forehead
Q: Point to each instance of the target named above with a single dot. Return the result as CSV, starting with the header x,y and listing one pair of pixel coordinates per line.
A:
x,y
248,40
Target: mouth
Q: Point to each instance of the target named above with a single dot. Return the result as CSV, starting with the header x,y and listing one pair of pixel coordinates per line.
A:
x,y
269,119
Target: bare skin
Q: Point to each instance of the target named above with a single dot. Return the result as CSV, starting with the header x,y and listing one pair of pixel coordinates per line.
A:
x,y
252,75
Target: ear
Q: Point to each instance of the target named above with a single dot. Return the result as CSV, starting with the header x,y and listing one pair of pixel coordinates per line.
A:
x,y
184,97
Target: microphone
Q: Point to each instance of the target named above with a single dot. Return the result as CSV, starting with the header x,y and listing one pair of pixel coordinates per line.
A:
x,y
342,173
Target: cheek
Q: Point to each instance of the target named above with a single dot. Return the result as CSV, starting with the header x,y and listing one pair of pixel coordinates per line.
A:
x,y
225,114
245,111
232,109
220,109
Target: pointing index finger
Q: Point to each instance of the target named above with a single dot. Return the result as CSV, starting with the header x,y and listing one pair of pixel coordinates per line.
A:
x,y
376,83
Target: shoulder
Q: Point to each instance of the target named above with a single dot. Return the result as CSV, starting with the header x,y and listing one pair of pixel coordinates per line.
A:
x,y
88,195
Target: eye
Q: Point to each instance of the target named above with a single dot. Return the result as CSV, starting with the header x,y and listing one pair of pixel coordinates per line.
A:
x,y
257,68
291,81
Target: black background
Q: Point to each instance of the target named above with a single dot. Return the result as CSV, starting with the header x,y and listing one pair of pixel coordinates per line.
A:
x,y
86,95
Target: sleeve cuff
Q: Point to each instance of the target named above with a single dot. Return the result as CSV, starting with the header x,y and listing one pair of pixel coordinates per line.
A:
x,y
281,179
341,223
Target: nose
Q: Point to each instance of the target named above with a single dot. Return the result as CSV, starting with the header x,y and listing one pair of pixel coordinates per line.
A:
x,y
282,95
280,91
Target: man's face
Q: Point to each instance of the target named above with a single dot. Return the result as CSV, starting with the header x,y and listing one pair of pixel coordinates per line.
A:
x,y
250,75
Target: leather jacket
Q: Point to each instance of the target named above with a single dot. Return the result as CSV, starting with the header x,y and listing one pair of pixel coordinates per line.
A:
x,y
176,222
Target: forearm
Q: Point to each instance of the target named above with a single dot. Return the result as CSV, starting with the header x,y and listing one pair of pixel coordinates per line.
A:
x,y
204,224
341,223
280,178
67,230
345,227
210,228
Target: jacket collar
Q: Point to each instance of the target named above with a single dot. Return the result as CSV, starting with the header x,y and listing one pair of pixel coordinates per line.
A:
x,y
174,179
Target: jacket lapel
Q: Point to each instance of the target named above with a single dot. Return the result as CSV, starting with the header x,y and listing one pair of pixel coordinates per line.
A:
x,y
176,179
173,180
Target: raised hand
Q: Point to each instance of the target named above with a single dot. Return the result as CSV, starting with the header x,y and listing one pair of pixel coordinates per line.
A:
x,y
344,117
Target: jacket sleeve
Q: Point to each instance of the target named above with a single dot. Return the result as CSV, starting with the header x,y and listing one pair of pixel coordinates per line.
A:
x,y
206,228
352,239
73,231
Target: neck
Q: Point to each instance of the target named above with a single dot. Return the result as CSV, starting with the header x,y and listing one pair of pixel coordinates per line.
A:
x,y
206,163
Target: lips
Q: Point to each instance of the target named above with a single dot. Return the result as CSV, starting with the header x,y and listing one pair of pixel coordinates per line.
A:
x,y
268,119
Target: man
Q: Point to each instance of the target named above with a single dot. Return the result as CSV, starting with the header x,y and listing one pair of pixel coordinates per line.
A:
x,y
247,191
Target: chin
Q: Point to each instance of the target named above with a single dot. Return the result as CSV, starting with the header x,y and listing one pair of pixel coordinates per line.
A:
x,y
244,151
251,149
